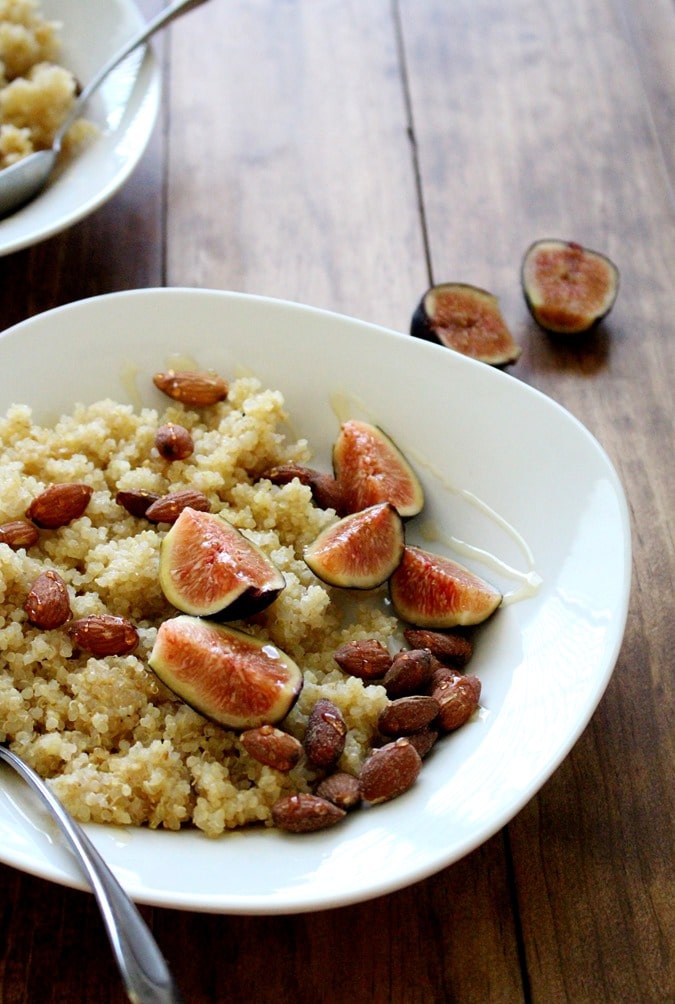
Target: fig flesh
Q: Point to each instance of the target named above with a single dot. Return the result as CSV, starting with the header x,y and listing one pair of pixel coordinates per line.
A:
x,y
235,679
208,568
467,319
568,288
432,591
370,468
361,550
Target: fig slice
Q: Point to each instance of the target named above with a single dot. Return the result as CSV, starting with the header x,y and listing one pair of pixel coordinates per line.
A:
x,y
208,568
432,591
467,319
370,468
361,550
568,288
233,678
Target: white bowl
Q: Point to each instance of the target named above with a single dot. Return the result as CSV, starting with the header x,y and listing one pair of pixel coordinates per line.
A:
x,y
124,109
504,469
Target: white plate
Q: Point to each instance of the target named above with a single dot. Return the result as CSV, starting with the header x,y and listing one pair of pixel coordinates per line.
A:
x,y
124,108
544,662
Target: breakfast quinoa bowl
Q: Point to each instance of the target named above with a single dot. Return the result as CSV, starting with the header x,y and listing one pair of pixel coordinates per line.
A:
x,y
117,745
36,91
504,498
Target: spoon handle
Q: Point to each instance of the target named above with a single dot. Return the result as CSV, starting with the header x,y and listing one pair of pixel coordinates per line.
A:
x,y
160,20
143,969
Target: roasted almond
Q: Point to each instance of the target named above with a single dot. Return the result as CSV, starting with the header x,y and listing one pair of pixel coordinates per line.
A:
x,y
410,672
458,698
389,771
449,647
341,789
272,747
194,388
368,659
408,714
168,508
19,533
59,504
326,490
136,502
47,605
283,474
174,441
104,634
328,494
303,813
325,734
424,740
442,673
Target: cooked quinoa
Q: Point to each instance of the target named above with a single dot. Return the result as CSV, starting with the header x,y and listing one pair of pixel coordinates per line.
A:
x,y
117,746
36,93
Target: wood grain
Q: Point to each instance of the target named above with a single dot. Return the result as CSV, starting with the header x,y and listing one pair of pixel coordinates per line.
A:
x,y
355,153
308,190
572,146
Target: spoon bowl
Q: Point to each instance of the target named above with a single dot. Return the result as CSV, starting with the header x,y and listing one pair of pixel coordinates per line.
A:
x,y
24,180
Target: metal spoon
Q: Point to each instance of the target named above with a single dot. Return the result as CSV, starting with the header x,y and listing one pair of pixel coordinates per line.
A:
x,y
24,180
145,974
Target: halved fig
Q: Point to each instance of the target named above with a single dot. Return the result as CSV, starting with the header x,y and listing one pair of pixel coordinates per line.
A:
x,y
467,319
432,591
361,550
370,469
209,569
568,288
231,677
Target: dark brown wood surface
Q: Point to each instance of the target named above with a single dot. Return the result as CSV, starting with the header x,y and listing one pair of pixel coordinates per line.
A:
x,y
346,154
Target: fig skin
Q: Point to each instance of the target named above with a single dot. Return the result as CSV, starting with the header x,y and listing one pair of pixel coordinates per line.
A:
x,y
361,550
209,569
467,319
431,591
370,468
568,288
233,678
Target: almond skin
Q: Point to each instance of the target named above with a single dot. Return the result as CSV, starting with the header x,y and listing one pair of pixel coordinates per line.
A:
x,y
328,494
194,388
19,533
325,734
341,789
174,442
424,740
59,504
389,771
408,714
272,747
104,634
449,647
47,605
367,659
168,508
136,502
326,490
458,697
305,813
410,673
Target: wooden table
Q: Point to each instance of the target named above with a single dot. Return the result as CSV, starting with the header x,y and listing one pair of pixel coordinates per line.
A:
x,y
346,154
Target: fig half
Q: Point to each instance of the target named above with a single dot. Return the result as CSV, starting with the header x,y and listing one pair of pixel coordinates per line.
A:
x,y
431,591
370,469
568,288
467,319
231,677
361,550
208,568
